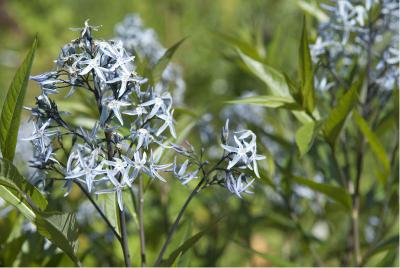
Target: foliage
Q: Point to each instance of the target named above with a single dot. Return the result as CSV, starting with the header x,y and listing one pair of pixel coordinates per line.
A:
x,y
319,90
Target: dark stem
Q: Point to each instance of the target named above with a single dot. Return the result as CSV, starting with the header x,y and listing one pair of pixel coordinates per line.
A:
x,y
141,223
176,223
124,241
355,232
103,216
122,223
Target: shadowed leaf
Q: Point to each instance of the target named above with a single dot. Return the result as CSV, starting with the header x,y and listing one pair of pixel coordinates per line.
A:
x,y
374,142
336,118
306,72
60,229
164,61
335,193
275,260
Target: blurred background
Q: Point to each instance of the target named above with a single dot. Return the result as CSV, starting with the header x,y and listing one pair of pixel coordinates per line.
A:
x,y
205,70
258,230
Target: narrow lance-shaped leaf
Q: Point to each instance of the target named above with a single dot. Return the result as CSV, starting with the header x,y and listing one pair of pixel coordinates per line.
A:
x,y
12,105
305,70
335,193
247,47
164,61
313,9
275,80
183,248
374,142
336,118
12,198
269,101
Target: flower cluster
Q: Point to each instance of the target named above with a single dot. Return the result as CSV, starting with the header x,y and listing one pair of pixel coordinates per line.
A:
x,y
348,39
239,154
133,120
144,42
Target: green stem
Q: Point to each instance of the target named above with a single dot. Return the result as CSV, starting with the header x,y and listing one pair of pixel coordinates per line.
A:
x,y
141,223
177,220
122,222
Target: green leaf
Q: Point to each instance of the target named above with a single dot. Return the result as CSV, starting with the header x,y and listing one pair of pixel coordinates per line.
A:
x,y
305,70
164,61
374,142
388,244
61,230
269,101
22,189
111,209
12,105
183,259
336,118
11,250
313,10
182,249
245,47
11,197
275,260
335,193
305,136
275,80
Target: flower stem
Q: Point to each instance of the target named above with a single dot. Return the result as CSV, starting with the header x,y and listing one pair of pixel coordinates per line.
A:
x,y
122,222
124,241
141,223
177,220
103,216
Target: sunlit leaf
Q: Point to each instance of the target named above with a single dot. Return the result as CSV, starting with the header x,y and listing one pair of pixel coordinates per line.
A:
x,y
22,189
274,80
305,136
12,105
335,193
305,70
336,118
12,198
313,9
269,101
